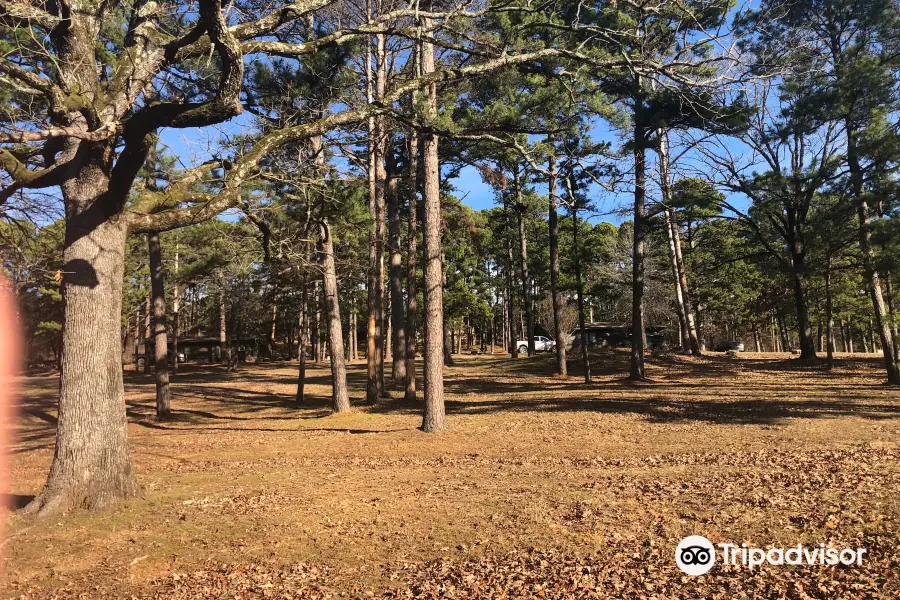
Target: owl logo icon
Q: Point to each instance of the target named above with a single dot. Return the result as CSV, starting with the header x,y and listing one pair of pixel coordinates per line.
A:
x,y
695,555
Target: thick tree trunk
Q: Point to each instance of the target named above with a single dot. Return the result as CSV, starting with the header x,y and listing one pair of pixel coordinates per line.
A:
x,y
160,341
637,286
398,309
411,275
804,327
340,399
521,208
91,465
889,288
433,419
559,335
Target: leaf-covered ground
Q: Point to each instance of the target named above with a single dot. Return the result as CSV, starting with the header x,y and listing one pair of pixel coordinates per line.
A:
x,y
543,487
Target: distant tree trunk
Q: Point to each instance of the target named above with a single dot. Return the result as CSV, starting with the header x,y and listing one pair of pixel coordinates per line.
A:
x,y
128,344
160,342
411,275
398,310
224,345
316,314
340,399
829,313
579,286
148,331
176,306
637,303
303,322
559,335
511,311
523,263
433,419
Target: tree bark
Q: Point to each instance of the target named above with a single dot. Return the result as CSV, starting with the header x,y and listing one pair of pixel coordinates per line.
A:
x,y
224,344
523,263
91,465
398,310
510,297
303,334
637,302
585,356
559,335
340,399
433,419
870,272
160,341
829,314
411,275
176,306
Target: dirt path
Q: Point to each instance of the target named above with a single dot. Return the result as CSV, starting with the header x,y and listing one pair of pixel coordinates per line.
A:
x,y
542,488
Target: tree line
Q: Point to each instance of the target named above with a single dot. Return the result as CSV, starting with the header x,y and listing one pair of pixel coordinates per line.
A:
x,y
757,148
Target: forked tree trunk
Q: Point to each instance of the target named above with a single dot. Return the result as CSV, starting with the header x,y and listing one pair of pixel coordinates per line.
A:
x,y
637,286
411,276
560,335
91,465
160,341
340,399
433,419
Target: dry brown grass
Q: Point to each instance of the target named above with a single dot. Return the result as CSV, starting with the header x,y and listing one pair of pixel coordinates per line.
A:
x,y
543,487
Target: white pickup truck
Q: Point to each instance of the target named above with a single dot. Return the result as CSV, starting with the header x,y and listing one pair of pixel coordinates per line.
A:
x,y
541,344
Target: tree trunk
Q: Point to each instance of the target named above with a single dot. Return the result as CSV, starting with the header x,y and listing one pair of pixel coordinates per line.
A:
x,y
433,419
148,332
411,275
340,399
91,465
224,346
303,335
559,335
160,341
176,306
829,314
870,272
523,264
511,311
889,285
585,356
804,327
637,302
398,310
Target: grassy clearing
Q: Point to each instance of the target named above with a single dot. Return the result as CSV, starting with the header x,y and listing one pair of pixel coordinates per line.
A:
x,y
542,487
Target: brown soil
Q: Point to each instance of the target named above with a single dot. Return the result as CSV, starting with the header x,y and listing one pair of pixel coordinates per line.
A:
x,y
543,487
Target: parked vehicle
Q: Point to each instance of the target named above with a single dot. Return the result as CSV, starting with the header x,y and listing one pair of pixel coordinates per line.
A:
x,y
541,344
730,345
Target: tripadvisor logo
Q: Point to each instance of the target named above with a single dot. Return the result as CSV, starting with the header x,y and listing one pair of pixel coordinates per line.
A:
x,y
696,555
